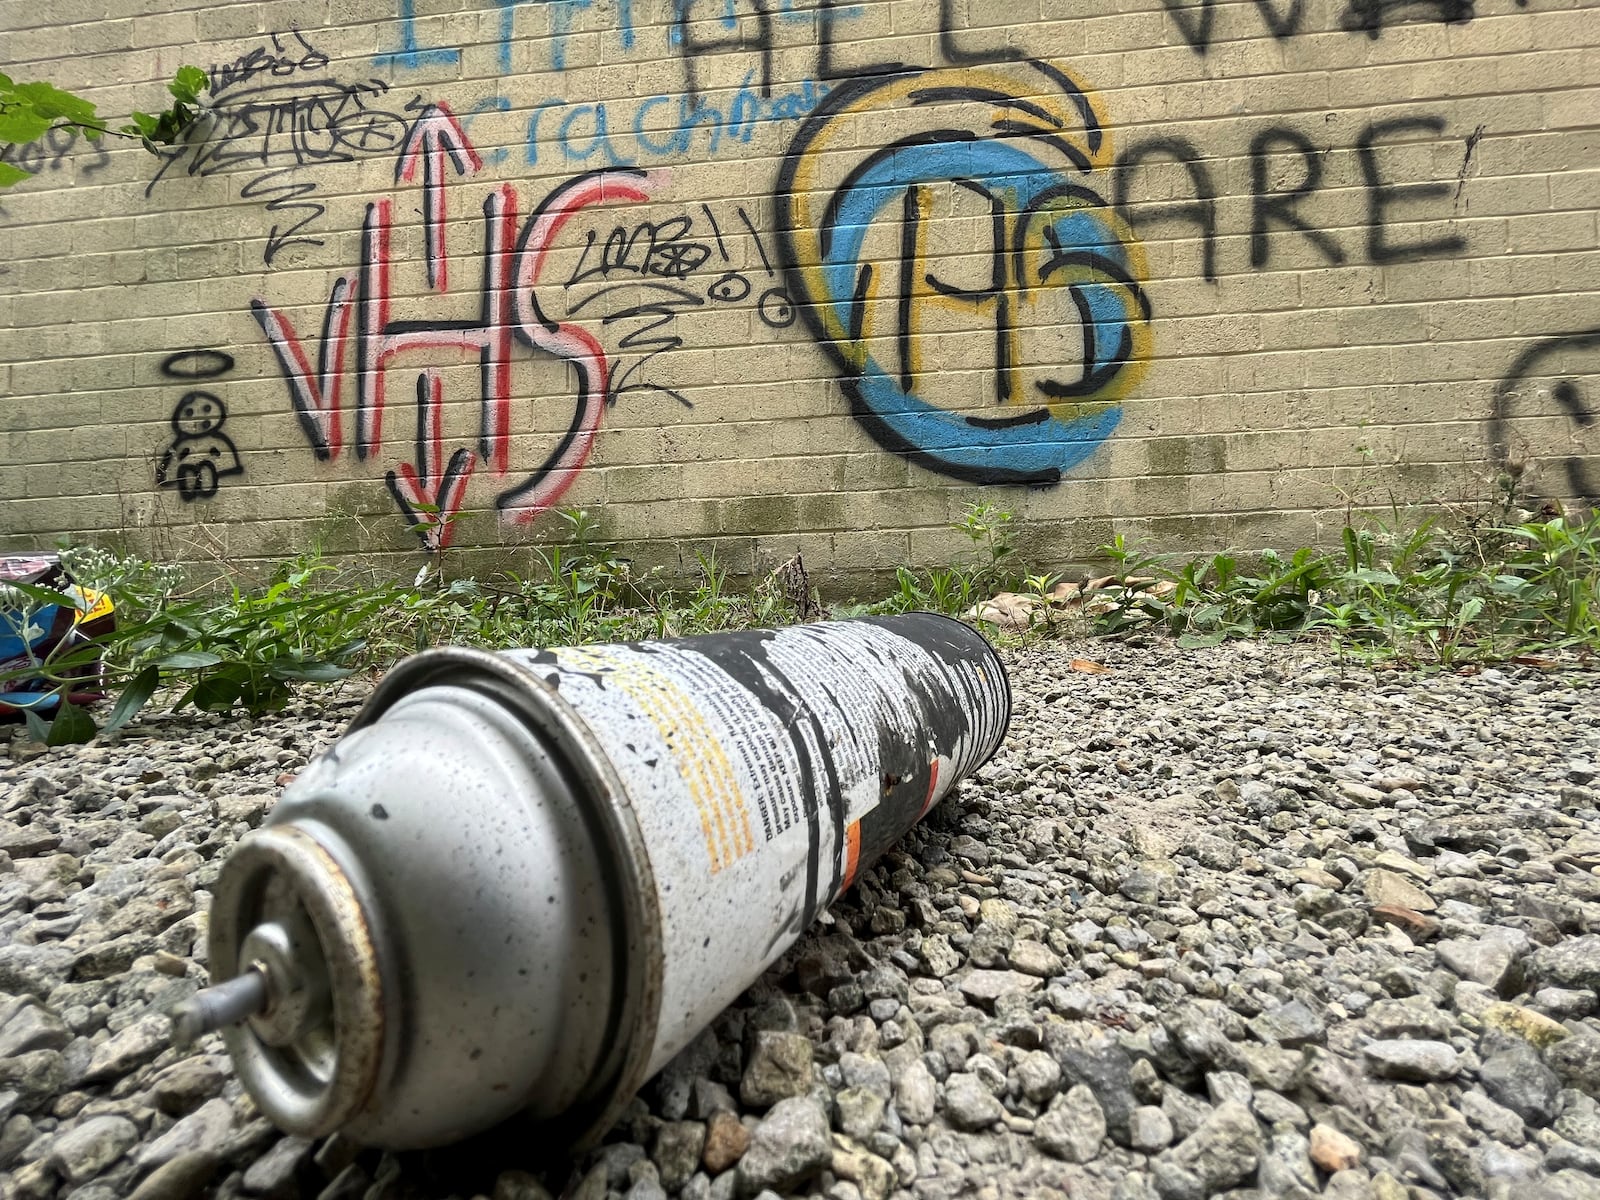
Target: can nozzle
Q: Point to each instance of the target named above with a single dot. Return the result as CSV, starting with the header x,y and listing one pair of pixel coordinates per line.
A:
x,y
226,1003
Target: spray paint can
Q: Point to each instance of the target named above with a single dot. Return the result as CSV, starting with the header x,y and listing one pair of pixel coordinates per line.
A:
x,y
525,880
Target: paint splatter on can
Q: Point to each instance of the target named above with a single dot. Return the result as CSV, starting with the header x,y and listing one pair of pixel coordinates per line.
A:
x,y
524,881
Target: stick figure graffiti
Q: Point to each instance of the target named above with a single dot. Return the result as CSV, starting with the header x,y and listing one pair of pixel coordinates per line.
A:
x,y
200,454
982,204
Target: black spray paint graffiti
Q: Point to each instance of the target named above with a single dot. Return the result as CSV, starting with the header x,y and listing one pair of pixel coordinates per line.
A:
x,y
1286,169
200,454
275,110
648,266
1034,257
51,152
1553,365
1284,19
513,315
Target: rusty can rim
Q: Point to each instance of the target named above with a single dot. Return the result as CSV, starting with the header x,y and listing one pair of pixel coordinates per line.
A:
x,y
305,1105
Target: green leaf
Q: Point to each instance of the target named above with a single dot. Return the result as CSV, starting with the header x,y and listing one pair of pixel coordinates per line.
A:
x,y
187,85
1200,641
72,726
38,727
40,595
11,174
188,660
310,672
134,697
144,125
53,104
217,693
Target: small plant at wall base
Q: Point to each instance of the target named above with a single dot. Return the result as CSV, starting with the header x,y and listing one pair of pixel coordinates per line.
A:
x,y
30,110
1423,593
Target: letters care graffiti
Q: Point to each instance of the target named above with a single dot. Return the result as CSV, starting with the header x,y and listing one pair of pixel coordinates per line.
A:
x,y
1546,382
277,113
200,453
359,333
1041,266
1280,210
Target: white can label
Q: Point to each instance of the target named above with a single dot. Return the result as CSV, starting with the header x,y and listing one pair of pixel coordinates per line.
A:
x,y
766,768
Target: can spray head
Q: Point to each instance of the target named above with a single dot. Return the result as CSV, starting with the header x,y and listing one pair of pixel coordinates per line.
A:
x,y
221,1004
300,1006
283,992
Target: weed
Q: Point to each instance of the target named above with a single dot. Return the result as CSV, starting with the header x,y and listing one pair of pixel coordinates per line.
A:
x,y
1423,592
1433,591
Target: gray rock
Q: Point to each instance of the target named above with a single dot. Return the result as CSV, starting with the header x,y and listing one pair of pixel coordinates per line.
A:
x,y
1149,1129
677,1152
861,1071
938,956
1292,1024
986,987
36,1077
1285,1169
88,1148
1218,854
1034,958
132,1048
989,945
1579,1120
1107,1071
1142,886
968,1104
1563,1154
32,1027
1502,1162
779,1067
1413,1059
1562,1003
1073,1127
187,1084
787,1148
1038,1076
1222,1152
184,1178
202,1131
916,1094
274,1172
1496,1120
1577,1061
1389,887
1570,963
1487,960
860,1111
1517,1079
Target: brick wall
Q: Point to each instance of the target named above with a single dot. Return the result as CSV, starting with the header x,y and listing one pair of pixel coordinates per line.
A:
x,y
795,274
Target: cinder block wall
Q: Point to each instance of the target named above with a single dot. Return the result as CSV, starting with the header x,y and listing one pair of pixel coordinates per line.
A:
x,y
761,276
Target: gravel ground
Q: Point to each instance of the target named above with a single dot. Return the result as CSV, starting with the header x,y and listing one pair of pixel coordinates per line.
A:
x,y
1238,922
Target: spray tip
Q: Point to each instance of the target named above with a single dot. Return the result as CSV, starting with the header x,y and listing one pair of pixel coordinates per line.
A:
x,y
226,1003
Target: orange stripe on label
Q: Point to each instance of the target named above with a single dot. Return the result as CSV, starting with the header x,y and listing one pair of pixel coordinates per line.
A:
x,y
852,855
933,790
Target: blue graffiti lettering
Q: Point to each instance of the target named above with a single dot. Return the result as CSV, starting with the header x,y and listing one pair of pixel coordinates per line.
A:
x,y
410,55
1040,260
663,126
489,104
